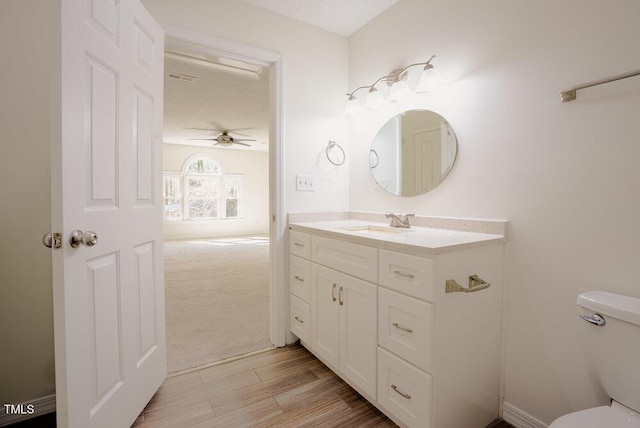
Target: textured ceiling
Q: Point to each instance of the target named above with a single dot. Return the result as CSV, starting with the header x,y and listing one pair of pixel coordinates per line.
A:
x,y
215,100
342,17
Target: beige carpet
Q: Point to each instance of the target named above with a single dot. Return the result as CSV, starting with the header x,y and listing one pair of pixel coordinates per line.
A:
x,y
217,299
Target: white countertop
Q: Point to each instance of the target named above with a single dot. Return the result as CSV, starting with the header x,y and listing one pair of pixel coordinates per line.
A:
x,y
416,240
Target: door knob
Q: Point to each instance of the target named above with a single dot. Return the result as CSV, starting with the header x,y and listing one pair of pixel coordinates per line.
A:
x,y
52,240
79,237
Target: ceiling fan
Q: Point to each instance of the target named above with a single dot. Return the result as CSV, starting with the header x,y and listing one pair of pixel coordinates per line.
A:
x,y
226,140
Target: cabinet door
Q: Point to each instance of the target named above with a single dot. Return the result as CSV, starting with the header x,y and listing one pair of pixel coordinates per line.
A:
x,y
325,313
405,392
300,244
358,302
405,327
299,318
358,260
407,274
299,278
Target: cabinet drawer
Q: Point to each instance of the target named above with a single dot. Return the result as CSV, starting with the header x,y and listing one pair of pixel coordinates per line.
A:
x,y
412,275
300,244
300,278
404,390
405,327
353,259
300,318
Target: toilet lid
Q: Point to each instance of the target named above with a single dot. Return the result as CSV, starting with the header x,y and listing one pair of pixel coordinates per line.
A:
x,y
597,417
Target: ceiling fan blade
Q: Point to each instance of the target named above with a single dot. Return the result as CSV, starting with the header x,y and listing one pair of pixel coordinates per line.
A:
x,y
235,131
204,139
204,129
243,139
242,144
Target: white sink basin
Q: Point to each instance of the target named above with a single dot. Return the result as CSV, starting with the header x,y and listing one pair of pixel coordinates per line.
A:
x,y
374,229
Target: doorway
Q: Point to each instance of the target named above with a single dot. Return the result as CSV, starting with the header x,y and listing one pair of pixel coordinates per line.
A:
x,y
251,246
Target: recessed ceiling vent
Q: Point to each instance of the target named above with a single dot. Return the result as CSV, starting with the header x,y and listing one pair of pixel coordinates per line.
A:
x,y
183,77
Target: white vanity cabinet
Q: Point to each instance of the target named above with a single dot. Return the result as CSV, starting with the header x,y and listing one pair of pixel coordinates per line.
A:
x,y
343,312
300,285
439,354
344,309
381,318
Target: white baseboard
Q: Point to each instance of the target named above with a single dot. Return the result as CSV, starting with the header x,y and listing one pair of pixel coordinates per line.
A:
x,y
520,419
41,406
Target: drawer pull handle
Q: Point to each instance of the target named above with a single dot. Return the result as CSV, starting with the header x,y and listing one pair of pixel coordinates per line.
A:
x,y
297,244
340,297
299,320
398,326
297,278
333,292
403,275
395,388
475,284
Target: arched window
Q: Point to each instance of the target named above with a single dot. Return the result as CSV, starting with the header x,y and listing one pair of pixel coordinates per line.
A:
x,y
202,191
201,164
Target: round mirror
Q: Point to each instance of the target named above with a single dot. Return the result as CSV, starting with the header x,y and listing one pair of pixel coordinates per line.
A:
x,y
412,153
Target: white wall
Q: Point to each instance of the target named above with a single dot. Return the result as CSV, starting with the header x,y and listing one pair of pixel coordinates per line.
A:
x,y
315,80
255,202
26,303
566,176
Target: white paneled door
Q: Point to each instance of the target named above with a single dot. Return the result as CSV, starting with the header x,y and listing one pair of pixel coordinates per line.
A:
x,y
426,158
106,154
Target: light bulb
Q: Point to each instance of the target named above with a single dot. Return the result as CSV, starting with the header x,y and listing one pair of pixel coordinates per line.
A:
x,y
430,79
399,91
374,99
353,106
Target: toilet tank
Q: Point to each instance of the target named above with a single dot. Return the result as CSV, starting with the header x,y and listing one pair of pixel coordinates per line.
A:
x,y
613,349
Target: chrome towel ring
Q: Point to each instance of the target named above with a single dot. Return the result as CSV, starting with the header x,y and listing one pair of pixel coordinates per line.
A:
x,y
329,150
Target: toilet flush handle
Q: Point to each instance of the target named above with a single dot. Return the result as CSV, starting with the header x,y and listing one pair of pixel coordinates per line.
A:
x,y
596,319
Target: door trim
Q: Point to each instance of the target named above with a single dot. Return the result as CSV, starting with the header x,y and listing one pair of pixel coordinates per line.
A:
x,y
198,42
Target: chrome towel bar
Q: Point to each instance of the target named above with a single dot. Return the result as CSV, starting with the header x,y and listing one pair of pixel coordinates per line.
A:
x,y
570,94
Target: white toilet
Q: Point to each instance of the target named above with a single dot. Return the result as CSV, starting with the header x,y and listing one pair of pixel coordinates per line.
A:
x,y
612,323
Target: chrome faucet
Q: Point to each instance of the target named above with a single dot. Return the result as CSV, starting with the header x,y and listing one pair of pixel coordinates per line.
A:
x,y
399,220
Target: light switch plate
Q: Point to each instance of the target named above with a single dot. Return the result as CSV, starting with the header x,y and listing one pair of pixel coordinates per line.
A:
x,y
305,183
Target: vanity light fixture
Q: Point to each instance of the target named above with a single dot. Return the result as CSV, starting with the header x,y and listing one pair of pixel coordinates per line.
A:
x,y
430,79
353,106
399,90
374,99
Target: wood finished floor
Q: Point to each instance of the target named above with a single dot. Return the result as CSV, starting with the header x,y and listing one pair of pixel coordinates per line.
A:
x,y
285,387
